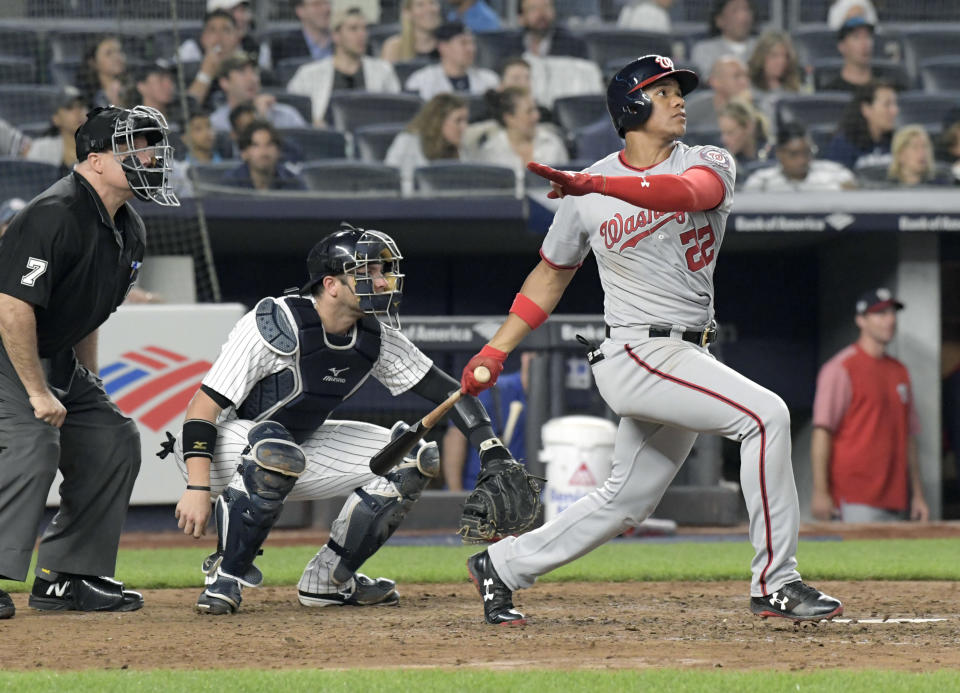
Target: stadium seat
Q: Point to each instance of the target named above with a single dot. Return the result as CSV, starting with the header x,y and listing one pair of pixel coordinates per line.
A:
x,y
701,137
940,74
26,179
922,42
604,45
27,103
493,47
827,70
377,34
371,142
819,42
210,174
476,107
874,176
285,69
351,177
405,68
17,70
71,45
596,140
311,143
164,43
928,110
821,135
175,140
575,112
302,103
353,109
812,109
532,180
459,178
21,41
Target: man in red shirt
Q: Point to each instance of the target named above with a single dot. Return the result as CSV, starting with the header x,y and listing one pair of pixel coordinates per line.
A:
x,y
864,446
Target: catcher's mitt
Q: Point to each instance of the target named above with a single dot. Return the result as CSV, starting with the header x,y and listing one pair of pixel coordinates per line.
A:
x,y
506,501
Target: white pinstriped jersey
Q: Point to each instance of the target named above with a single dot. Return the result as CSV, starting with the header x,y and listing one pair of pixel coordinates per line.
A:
x,y
656,268
245,359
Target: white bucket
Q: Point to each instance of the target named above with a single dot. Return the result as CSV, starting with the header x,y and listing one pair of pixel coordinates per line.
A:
x,y
578,452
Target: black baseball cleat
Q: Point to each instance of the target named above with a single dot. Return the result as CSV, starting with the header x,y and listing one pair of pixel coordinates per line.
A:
x,y
497,597
798,602
83,593
222,596
7,609
364,592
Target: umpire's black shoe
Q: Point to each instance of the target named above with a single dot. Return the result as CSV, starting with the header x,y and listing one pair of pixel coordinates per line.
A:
x,y
497,597
7,609
83,593
798,602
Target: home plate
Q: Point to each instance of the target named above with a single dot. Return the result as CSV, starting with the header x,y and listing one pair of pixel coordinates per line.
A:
x,y
887,620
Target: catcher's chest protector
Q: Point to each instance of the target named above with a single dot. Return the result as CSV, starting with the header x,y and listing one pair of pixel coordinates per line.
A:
x,y
324,374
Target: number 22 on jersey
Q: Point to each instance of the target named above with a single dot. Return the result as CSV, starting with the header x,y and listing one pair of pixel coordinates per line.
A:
x,y
700,250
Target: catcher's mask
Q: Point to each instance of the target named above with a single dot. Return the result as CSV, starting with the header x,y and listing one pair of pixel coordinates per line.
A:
x,y
116,130
366,255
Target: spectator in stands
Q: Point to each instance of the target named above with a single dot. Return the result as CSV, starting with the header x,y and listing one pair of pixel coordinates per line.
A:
x,y
240,82
842,10
731,26
13,143
797,170
864,444
774,70
59,147
240,117
261,169
348,69
541,36
434,134
951,146
866,127
219,39
913,163
477,15
312,40
855,43
728,82
8,210
199,138
104,79
515,72
242,19
154,87
744,133
418,20
646,15
455,72
520,138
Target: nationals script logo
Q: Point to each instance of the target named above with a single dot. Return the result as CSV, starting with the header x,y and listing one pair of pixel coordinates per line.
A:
x,y
615,229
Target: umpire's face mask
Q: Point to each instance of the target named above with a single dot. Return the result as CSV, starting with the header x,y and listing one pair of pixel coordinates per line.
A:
x,y
140,145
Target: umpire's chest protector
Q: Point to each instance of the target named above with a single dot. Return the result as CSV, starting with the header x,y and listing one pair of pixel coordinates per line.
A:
x,y
324,373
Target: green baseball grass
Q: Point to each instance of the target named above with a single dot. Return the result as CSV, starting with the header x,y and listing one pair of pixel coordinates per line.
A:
x,y
443,681
883,559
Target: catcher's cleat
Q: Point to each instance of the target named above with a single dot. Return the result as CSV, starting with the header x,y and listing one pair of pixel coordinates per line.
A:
x,y
7,609
83,593
497,597
222,596
798,602
363,592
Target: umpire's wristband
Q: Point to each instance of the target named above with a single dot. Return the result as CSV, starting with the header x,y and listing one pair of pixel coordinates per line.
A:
x,y
199,438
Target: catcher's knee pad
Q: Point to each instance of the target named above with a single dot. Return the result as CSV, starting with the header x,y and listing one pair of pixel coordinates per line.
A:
x,y
249,507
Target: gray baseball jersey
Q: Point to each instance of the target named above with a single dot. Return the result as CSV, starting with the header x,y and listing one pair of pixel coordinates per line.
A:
x,y
656,268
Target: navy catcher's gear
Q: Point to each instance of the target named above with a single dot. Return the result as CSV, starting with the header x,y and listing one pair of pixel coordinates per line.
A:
x,y
245,512
629,106
352,251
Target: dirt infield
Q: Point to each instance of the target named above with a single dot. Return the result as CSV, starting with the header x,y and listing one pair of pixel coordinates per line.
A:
x,y
573,625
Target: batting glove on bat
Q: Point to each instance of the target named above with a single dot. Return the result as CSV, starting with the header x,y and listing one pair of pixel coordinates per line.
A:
x,y
567,183
489,357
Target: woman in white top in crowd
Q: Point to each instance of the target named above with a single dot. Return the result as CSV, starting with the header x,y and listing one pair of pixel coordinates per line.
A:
x,y
434,134
418,20
520,138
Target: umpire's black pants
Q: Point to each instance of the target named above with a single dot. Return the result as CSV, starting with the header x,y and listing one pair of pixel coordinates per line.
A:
x,y
98,452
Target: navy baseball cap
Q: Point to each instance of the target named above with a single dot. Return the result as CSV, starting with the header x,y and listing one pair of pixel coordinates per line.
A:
x,y
876,300
852,24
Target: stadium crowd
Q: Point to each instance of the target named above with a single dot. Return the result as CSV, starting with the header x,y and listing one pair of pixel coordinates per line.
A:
x,y
853,101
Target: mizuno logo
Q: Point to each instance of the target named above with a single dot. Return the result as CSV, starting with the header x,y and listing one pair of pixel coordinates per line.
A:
x,y
337,371
58,589
487,594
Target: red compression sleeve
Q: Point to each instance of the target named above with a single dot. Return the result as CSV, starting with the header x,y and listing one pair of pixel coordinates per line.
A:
x,y
527,310
695,190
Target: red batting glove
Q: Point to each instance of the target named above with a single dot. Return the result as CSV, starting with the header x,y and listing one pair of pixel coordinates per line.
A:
x,y
566,183
491,358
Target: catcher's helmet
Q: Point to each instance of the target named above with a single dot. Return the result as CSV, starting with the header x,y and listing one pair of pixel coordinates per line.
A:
x,y
628,105
349,251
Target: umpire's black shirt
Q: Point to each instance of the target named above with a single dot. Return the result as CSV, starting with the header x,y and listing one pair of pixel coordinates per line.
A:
x,y
64,255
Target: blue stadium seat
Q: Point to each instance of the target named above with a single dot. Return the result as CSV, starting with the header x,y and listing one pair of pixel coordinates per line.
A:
x,y
353,109
311,143
17,70
941,74
346,177
27,103
371,142
460,178
26,179
604,45
575,112
812,109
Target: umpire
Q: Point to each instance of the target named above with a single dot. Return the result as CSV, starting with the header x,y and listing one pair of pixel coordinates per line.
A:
x,y
66,262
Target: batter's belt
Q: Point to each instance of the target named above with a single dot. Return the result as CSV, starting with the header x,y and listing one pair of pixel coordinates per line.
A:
x,y
702,337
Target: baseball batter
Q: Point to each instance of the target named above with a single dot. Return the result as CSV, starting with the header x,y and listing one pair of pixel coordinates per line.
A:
x,y
654,216
258,431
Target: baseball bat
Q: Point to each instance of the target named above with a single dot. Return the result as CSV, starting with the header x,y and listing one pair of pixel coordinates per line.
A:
x,y
393,452
516,407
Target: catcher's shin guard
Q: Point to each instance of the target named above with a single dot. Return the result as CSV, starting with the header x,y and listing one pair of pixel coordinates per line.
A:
x,y
249,507
373,513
